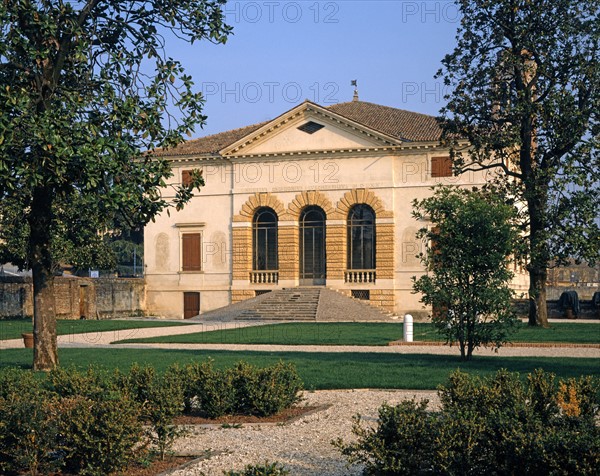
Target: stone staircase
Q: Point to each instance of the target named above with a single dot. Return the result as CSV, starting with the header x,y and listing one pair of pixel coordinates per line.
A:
x,y
338,306
288,304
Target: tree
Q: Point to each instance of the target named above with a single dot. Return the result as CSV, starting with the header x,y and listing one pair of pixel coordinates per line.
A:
x,y
525,93
87,93
468,251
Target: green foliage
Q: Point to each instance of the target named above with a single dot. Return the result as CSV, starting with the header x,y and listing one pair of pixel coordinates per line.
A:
x,y
208,391
88,93
28,426
468,251
266,469
94,383
77,115
486,426
99,436
525,93
161,399
265,391
404,442
243,389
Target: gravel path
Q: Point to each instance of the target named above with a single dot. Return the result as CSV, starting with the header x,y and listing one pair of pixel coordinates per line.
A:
x,y
303,446
104,339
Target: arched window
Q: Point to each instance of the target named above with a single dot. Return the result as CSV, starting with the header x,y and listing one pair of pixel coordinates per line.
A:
x,y
361,237
313,263
264,240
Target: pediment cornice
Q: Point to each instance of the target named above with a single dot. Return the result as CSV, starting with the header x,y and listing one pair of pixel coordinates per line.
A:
x,y
305,111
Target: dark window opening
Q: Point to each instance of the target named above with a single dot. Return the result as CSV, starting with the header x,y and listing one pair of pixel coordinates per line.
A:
x,y
264,240
362,294
312,246
361,237
311,127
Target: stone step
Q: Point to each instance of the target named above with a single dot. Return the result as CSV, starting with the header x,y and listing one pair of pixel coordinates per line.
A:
x,y
286,304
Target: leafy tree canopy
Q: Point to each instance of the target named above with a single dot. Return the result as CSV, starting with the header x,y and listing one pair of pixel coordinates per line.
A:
x,y
86,88
468,250
88,92
525,93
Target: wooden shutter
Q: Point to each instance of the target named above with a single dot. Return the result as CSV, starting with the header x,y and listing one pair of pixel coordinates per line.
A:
x,y
191,305
441,167
186,177
190,243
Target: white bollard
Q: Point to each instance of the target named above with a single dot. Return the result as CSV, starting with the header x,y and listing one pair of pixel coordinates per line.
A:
x,y
408,328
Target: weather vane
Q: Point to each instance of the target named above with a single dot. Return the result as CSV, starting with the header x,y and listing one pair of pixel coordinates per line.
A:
x,y
354,83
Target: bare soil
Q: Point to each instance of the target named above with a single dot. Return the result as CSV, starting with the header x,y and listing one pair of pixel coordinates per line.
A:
x,y
284,416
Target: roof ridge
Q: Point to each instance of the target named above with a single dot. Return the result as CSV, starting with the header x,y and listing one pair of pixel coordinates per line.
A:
x,y
399,123
381,106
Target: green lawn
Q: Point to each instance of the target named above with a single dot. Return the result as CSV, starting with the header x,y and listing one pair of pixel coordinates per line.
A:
x,y
355,333
12,328
322,370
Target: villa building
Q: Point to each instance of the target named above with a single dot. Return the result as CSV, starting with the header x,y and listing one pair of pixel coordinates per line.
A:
x,y
319,196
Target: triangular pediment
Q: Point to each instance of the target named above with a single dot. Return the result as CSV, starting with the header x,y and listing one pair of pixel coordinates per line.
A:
x,y
308,127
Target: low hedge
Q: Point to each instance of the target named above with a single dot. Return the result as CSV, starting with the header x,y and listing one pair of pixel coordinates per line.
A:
x,y
497,425
243,389
97,422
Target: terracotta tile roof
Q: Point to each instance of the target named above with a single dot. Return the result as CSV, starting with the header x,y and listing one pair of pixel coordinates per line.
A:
x,y
209,144
405,125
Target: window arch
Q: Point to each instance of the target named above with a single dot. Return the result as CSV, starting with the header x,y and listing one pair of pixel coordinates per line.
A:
x,y
264,240
361,237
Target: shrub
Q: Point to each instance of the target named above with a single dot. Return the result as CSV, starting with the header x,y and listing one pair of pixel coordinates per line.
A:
x,y
28,429
487,426
160,399
266,391
403,442
93,383
209,392
266,469
244,389
98,437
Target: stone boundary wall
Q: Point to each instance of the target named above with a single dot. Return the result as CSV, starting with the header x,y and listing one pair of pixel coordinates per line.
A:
x,y
585,293
100,298
554,311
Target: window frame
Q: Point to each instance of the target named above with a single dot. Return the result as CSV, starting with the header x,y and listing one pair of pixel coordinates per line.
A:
x,y
350,238
441,166
265,227
185,230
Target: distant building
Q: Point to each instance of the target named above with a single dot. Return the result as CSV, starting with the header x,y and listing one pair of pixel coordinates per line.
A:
x,y
319,196
580,277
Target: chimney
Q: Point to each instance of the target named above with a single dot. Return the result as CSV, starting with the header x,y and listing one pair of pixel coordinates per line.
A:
x,y
354,83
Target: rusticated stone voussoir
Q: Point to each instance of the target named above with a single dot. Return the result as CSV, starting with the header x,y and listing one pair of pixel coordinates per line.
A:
x,y
358,196
308,198
256,201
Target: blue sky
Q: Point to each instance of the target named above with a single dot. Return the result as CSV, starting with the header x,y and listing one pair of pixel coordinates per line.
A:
x,y
283,52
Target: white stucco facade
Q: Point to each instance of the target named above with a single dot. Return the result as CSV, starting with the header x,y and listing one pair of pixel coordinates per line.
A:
x,y
282,168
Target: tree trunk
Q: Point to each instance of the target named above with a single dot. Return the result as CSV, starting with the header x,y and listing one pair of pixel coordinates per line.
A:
x,y
40,219
538,309
45,354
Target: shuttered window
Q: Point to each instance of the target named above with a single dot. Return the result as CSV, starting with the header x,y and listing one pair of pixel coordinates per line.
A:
x,y
191,245
186,177
441,167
